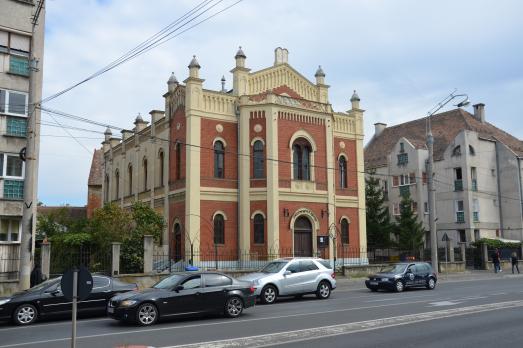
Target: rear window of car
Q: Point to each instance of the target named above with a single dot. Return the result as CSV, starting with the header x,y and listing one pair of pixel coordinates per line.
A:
x,y
216,280
325,263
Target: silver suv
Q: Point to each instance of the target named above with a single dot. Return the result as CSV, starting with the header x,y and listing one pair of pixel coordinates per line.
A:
x,y
293,277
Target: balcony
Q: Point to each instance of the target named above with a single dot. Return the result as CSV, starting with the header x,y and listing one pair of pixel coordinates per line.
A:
x,y
404,190
458,185
475,216
18,65
16,127
474,185
13,189
460,217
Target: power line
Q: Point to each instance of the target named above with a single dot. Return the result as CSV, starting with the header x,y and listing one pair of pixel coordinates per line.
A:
x,y
152,42
72,136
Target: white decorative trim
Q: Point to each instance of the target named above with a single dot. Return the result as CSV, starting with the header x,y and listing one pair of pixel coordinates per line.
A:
x,y
343,154
219,128
219,212
255,139
220,139
258,128
258,212
345,217
303,134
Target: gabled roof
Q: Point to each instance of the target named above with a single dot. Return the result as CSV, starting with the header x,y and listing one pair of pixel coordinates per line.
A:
x,y
445,127
95,175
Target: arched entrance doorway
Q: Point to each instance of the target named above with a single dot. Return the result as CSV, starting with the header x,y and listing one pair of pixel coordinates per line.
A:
x,y
302,237
177,242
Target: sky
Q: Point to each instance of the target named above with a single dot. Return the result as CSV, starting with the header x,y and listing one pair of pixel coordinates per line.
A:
x,y
401,56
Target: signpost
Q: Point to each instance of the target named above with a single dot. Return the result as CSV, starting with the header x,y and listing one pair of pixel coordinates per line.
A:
x,y
76,284
446,239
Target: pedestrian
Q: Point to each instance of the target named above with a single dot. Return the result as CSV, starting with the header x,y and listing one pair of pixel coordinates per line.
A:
x,y
514,259
495,261
36,276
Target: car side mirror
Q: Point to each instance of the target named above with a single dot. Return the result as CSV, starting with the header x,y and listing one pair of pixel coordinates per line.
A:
x,y
286,273
178,288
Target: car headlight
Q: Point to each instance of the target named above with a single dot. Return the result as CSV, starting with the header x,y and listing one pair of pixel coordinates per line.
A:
x,y
128,303
4,301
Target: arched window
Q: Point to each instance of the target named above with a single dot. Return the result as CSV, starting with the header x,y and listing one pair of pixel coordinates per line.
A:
x,y
219,152
257,159
343,172
117,183
219,229
456,151
145,174
259,229
161,167
301,159
178,161
130,178
345,231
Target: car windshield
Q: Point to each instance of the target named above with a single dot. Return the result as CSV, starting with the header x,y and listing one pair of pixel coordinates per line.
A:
x,y
274,267
399,268
169,282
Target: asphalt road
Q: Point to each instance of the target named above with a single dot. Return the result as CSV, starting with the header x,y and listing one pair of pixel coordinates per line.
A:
x,y
455,314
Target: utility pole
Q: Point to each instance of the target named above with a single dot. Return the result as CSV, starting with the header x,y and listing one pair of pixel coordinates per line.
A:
x,y
31,164
430,176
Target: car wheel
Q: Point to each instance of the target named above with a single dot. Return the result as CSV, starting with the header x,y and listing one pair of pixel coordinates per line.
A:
x,y
399,286
146,314
269,294
324,290
25,314
431,284
233,307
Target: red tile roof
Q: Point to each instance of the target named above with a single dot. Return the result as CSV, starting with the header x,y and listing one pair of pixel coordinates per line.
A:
x,y
445,127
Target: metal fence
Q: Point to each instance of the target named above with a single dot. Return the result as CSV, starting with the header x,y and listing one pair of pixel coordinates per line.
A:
x,y
94,259
9,262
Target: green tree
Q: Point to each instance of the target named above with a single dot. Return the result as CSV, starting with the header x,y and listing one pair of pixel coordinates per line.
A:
x,y
110,223
379,226
408,230
56,224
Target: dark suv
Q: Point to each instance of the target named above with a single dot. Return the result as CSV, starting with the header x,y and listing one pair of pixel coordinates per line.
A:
x,y
399,276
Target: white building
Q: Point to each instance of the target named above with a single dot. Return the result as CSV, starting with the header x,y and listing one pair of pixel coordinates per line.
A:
x,y
16,40
477,174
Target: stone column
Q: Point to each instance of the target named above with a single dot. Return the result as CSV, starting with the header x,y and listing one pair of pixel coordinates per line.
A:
x,y
463,252
45,259
450,250
148,247
244,161
331,191
115,264
273,199
484,251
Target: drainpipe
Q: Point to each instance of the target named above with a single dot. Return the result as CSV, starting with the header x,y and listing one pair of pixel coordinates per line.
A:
x,y
499,191
238,150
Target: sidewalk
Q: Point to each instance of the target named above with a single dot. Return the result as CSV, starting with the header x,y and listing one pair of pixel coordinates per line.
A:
x,y
469,275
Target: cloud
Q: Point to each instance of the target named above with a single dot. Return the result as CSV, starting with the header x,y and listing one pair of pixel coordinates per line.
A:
x,y
402,56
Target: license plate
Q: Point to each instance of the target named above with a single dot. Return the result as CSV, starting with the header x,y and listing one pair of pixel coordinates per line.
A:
x,y
373,283
110,310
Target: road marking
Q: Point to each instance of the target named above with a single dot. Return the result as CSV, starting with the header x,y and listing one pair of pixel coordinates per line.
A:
x,y
443,303
344,329
137,330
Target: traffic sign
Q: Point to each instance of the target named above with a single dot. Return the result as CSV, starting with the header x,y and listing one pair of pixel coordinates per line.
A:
x,y
84,283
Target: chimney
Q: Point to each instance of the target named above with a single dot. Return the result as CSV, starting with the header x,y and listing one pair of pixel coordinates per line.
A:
x,y
479,112
379,128
126,134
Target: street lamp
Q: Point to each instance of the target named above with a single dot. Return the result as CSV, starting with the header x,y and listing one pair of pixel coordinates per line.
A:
x,y
430,173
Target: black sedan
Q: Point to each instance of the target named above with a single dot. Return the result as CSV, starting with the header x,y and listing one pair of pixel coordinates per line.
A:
x,y
184,293
46,300
400,276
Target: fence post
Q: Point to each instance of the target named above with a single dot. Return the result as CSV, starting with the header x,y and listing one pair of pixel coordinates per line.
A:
x,y
450,250
45,259
115,264
484,250
463,252
148,247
